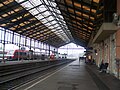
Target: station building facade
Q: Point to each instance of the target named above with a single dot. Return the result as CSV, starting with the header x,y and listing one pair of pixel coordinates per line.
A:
x,y
106,45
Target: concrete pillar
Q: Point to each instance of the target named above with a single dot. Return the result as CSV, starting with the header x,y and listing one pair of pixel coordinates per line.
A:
x,y
118,33
118,44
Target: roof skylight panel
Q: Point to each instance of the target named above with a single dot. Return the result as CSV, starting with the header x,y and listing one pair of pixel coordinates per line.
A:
x,y
51,27
47,13
61,17
51,8
42,8
39,16
58,11
19,1
47,24
54,30
27,5
56,25
59,28
34,11
35,2
46,2
53,22
54,4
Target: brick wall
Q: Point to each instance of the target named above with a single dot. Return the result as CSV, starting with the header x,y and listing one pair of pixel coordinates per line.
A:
x,y
118,7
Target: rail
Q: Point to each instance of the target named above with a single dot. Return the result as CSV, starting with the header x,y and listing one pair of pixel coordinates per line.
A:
x,y
29,70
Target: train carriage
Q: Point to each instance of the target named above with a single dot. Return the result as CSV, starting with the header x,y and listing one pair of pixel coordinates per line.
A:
x,y
17,54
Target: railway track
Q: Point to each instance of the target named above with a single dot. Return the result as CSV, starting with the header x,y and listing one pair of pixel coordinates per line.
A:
x,y
15,77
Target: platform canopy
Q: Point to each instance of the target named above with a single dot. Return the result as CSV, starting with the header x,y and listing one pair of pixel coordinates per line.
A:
x,y
55,22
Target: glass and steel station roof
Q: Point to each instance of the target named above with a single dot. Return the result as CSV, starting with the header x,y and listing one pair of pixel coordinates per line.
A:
x,y
56,22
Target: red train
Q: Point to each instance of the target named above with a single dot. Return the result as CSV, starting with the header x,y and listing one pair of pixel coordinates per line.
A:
x,y
24,55
17,54
31,55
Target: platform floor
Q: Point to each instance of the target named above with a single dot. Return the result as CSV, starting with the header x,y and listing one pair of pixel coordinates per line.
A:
x,y
72,77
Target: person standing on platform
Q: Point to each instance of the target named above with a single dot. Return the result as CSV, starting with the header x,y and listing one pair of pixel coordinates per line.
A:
x,y
79,59
101,65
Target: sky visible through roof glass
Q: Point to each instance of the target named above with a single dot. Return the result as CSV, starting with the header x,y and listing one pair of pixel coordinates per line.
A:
x,y
46,11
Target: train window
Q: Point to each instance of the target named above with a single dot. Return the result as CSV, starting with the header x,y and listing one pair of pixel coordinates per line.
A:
x,y
22,53
16,53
